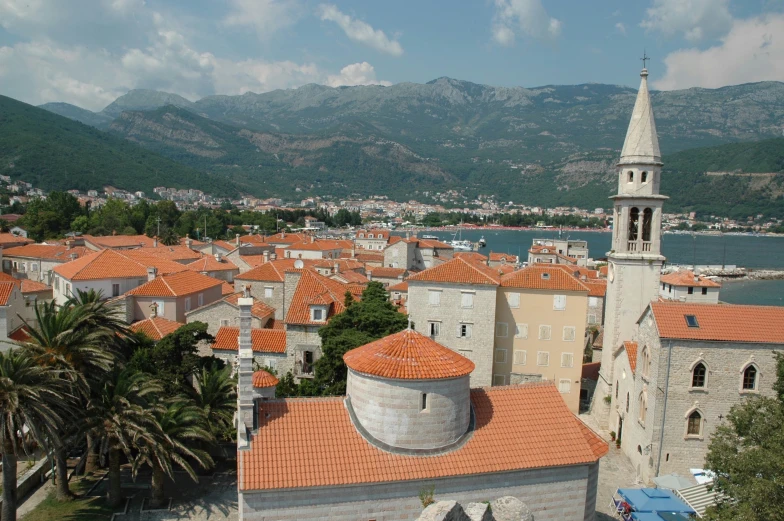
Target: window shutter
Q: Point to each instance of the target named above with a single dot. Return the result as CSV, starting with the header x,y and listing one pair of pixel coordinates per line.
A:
x,y
567,360
559,302
520,357
565,386
568,333
544,332
467,300
501,329
543,358
513,299
521,330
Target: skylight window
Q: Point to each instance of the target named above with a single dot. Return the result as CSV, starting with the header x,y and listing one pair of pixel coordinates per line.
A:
x,y
545,276
691,321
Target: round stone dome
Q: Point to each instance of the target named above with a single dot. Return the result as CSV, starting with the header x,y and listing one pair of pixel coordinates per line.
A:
x,y
264,385
408,392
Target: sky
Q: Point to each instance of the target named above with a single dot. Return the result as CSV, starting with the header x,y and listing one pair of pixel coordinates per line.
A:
x,y
89,52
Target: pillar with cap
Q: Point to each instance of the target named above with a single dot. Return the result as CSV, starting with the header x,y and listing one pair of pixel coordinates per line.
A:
x,y
245,423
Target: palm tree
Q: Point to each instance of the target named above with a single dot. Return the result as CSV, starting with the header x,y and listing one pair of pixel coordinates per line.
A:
x,y
34,399
183,425
80,337
214,392
121,415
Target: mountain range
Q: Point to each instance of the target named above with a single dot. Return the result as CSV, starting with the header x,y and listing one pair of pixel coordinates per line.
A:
x,y
552,145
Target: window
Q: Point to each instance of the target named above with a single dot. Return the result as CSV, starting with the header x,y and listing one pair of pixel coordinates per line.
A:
x,y
750,378
691,321
67,289
424,402
616,389
568,333
159,308
544,332
567,360
464,330
543,358
307,362
513,299
646,361
634,222
499,379
115,290
690,290
627,402
704,291
698,376
434,328
271,363
187,303
564,386
592,319
57,283
644,177
631,176
501,329
33,267
520,357
317,314
643,405
434,297
500,356
224,322
466,299
201,299
694,425
521,330
647,222
267,292
593,301
559,302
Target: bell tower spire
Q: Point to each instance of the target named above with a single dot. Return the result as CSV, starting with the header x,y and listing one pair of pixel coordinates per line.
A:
x,y
635,260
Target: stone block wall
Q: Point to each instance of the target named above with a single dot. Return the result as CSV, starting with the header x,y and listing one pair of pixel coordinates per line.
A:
x,y
257,291
214,314
298,340
552,494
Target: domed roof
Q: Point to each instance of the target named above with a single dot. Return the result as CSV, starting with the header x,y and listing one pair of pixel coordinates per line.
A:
x,y
264,379
408,355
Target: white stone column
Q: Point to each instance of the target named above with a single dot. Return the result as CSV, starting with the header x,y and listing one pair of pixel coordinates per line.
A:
x,y
245,405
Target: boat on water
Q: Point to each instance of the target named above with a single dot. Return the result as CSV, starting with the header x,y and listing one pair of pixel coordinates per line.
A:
x,y
482,242
430,237
460,245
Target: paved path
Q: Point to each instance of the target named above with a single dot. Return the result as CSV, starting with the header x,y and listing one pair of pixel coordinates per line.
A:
x,y
33,499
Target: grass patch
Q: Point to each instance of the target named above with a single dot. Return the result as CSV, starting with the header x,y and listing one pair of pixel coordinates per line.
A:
x,y
81,509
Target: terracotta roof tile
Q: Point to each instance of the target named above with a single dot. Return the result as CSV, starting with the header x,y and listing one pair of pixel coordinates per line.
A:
x,y
459,271
720,322
352,277
318,245
256,240
408,355
313,288
10,238
172,253
6,290
225,245
118,241
175,285
471,256
519,427
286,238
631,354
263,379
688,278
156,328
378,233
388,273
227,289
599,341
273,271
400,286
20,334
262,340
370,257
596,287
259,308
591,371
54,252
33,286
543,276
503,257
112,264
210,263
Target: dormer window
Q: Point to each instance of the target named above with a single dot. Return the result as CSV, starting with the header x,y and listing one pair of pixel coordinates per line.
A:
x,y
318,313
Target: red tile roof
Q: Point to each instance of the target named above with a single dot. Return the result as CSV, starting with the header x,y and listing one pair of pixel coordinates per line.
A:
x,y
591,371
388,273
596,287
210,263
459,271
503,257
262,340
111,264
318,245
400,286
273,271
10,238
408,355
6,290
54,252
263,379
256,240
172,253
156,328
313,288
286,238
720,322
519,427
227,289
259,308
175,285
118,241
688,278
471,256
542,276
352,277
33,286
631,354
225,245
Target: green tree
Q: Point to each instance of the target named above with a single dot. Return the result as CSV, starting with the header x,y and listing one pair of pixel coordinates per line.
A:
x,y
113,217
33,396
747,456
214,393
81,224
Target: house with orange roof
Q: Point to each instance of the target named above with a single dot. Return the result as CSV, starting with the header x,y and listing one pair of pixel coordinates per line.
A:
x,y
387,276
597,293
548,254
266,282
116,242
540,329
155,327
413,253
12,306
215,266
11,240
314,249
374,239
283,239
172,295
36,261
225,313
268,345
685,285
110,272
685,367
410,420
502,259
455,304
178,253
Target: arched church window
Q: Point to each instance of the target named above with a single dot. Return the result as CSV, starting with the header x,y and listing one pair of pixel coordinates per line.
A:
x,y
644,177
634,222
631,176
750,378
647,221
694,424
698,375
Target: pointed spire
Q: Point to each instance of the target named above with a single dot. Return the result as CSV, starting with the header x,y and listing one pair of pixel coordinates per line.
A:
x,y
642,143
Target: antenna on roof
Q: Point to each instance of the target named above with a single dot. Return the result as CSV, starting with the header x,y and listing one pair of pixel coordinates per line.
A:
x,y
298,264
409,322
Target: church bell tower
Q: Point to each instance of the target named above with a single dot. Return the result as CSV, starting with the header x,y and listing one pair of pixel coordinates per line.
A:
x,y
635,260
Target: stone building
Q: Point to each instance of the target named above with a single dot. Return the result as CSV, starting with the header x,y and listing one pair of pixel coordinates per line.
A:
x,y
539,329
688,286
455,304
373,239
171,296
267,345
416,254
215,266
410,421
635,260
225,312
36,261
680,374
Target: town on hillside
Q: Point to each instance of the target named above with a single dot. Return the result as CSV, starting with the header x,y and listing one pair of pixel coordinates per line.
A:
x,y
267,367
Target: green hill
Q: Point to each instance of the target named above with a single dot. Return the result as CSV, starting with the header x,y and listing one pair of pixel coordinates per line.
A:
x,y
56,153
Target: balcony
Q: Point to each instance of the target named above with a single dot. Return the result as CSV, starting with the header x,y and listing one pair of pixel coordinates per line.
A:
x,y
631,246
641,246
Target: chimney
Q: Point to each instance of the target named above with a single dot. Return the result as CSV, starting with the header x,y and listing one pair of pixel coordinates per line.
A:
x,y
312,239
152,272
245,423
266,256
274,256
188,242
353,251
114,232
236,239
155,242
67,245
337,267
73,256
369,276
219,257
153,310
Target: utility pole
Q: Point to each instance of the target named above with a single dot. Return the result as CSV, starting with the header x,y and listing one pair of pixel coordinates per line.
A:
x,y
205,225
159,226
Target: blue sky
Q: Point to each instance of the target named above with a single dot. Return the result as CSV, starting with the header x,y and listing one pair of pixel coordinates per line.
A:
x,y
88,52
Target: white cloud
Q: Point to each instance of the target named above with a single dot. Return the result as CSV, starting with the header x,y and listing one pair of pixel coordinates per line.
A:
x,y
695,20
356,74
751,51
264,16
620,28
360,31
528,17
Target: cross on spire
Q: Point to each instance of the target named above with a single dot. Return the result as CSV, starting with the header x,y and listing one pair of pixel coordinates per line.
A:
x,y
644,58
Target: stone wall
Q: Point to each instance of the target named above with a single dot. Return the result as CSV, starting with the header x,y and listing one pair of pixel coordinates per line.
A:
x,y
258,291
212,315
552,494
298,340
